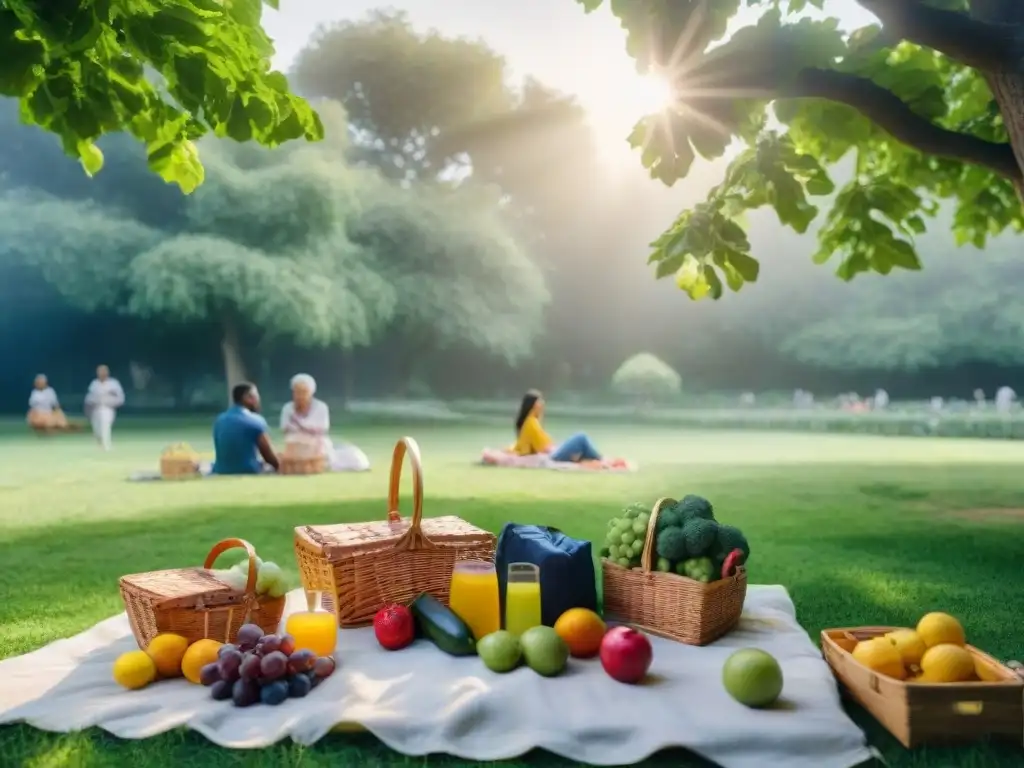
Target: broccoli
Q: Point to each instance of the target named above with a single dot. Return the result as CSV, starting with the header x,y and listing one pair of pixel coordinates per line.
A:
x,y
695,507
668,518
730,538
671,544
700,536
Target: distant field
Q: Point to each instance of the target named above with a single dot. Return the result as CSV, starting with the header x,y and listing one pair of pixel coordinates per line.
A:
x,y
860,529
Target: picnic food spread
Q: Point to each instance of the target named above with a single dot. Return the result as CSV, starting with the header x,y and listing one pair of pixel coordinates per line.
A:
x,y
669,568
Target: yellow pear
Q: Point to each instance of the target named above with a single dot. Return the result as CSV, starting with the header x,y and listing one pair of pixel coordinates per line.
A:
x,y
947,663
881,656
909,644
940,629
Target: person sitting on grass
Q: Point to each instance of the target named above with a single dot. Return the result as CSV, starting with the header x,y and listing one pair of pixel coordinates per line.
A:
x,y
307,420
44,411
241,437
531,438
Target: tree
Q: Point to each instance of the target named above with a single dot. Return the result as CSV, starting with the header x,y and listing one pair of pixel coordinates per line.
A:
x,y
245,262
401,88
646,377
167,73
926,103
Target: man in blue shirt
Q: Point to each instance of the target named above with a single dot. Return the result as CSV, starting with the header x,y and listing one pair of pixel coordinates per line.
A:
x,y
241,436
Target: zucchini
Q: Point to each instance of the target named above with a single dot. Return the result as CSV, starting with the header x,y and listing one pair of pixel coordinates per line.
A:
x,y
442,627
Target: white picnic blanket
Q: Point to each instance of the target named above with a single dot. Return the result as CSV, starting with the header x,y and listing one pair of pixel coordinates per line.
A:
x,y
420,701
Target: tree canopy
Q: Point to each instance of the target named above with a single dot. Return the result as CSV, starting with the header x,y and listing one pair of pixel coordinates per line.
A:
x,y
925,104
168,73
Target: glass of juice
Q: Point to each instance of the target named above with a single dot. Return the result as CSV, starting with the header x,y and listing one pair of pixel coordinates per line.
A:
x,y
314,629
474,596
522,597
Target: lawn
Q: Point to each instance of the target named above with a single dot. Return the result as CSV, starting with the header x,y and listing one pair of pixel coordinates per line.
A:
x,y
861,530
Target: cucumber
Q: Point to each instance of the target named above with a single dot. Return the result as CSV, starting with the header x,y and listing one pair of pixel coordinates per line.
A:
x,y
442,627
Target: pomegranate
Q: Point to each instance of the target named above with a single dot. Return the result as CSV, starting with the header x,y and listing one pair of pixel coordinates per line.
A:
x,y
394,627
626,654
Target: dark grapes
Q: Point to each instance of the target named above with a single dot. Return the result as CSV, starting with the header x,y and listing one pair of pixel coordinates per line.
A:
x,y
210,674
273,666
245,693
300,685
274,693
248,635
301,661
250,667
269,644
226,648
221,690
324,667
287,646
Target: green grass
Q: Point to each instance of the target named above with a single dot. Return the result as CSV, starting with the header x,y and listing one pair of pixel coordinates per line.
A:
x,y
861,530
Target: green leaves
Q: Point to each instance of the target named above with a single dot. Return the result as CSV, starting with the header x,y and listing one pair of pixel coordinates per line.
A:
x,y
81,74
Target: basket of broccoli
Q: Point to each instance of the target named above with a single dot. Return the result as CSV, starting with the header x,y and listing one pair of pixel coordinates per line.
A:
x,y
675,570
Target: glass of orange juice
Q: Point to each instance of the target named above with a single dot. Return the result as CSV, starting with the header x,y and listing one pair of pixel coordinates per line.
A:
x,y
474,596
315,629
522,597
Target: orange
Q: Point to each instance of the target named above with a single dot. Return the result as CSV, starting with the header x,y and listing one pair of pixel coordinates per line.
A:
x,y
198,655
167,650
582,630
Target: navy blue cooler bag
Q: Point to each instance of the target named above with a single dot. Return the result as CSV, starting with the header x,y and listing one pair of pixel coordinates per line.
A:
x,y
567,575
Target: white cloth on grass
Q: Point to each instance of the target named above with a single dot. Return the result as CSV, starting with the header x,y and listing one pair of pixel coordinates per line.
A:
x,y
43,400
420,701
312,427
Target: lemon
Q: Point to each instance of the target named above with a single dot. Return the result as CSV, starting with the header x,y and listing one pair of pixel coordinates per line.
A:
x,y
198,655
940,629
167,650
134,670
947,663
909,644
881,656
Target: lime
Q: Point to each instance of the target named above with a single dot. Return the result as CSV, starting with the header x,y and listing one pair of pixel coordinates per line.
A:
x,y
544,651
500,651
753,677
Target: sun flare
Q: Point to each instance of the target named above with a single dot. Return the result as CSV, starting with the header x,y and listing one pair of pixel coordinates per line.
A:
x,y
649,94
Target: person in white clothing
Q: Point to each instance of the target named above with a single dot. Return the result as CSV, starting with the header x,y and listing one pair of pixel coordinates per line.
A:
x,y
105,396
44,411
308,420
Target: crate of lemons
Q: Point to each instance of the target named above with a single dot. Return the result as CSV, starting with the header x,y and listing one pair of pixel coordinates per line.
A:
x,y
170,655
935,651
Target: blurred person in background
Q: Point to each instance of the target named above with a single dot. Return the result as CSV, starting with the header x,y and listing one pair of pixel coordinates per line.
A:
x,y
104,397
306,420
44,411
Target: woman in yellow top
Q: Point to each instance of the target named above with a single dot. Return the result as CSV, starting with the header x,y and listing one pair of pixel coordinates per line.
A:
x,y
531,438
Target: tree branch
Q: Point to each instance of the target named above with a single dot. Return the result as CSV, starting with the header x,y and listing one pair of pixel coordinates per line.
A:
x,y
892,115
980,44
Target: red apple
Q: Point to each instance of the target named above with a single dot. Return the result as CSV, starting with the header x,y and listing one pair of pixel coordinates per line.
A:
x,y
394,627
626,654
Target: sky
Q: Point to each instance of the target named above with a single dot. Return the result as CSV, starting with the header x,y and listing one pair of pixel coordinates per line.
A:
x,y
553,40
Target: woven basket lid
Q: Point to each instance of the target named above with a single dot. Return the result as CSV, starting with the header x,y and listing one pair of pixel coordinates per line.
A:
x,y
337,541
182,587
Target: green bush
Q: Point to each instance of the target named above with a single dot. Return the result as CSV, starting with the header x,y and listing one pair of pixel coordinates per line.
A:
x,y
646,377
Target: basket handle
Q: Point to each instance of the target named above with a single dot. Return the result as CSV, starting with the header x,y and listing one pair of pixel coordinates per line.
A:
x,y
413,538
223,546
647,555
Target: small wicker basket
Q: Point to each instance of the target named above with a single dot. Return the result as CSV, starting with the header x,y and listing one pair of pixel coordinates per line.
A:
x,y
301,457
179,462
919,714
194,603
360,567
669,605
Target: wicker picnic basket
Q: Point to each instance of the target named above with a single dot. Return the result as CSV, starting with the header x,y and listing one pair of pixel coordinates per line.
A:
x,y
194,603
669,605
303,458
360,567
179,462
929,713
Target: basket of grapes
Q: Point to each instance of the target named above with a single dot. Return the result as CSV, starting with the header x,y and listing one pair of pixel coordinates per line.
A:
x,y
199,603
179,462
675,571
262,668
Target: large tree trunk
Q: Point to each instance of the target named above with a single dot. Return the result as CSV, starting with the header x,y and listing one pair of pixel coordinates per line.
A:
x,y
231,351
1007,86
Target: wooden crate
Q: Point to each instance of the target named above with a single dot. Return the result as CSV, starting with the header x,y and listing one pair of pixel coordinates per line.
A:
x,y
920,714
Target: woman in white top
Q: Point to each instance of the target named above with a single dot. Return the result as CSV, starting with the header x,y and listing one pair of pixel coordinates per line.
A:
x,y
308,420
104,397
44,411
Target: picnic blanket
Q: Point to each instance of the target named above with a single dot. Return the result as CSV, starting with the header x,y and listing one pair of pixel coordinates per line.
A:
x,y
421,701
495,457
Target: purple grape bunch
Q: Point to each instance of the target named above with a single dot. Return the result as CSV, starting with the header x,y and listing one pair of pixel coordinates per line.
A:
x,y
264,669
